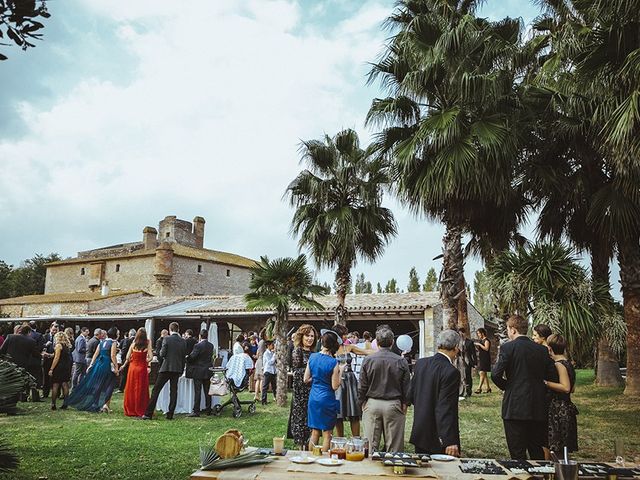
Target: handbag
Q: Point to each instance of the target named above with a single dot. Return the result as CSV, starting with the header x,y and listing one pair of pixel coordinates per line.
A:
x,y
218,387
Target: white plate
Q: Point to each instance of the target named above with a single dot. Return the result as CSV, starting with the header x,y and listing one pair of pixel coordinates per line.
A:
x,y
330,462
302,459
442,458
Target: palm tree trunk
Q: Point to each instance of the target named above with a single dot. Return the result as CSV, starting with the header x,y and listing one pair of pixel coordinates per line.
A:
x,y
452,275
343,281
282,357
463,314
629,259
607,364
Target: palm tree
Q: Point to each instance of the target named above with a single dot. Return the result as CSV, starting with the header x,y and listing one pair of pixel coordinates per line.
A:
x,y
546,282
277,285
597,45
449,124
339,214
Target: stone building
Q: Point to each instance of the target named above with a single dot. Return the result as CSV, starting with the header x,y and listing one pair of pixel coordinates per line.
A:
x,y
170,260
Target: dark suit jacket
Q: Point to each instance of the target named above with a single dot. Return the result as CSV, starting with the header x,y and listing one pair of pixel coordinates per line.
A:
x,y
173,353
92,344
124,347
199,361
526,365
190,342
39,338
22,349
434,395
470,356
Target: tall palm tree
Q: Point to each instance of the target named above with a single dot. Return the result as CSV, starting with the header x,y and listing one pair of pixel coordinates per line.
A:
x,y
278,284
598,44
449,123
339,214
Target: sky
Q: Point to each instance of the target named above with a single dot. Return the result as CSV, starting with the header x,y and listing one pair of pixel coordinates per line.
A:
x,y
127,112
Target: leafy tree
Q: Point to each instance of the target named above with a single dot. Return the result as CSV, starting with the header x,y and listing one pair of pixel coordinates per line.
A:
x,y
278,284
360,283
367,287
546,282
29,278
391,286
18,24
414,283
482,297
431,281
339,214
5,275
450,126
378,288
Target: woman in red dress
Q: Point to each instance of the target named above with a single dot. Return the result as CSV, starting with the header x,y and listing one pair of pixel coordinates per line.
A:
x,y
136,391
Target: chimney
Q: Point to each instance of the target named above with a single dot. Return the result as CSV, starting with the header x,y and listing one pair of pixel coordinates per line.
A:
x,y
104,290
149,238
198,231
163,268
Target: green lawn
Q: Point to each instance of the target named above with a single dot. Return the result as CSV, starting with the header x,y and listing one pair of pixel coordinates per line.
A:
x,y
75,445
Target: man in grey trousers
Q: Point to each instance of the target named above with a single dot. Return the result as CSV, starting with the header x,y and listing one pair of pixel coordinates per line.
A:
x,y
383,394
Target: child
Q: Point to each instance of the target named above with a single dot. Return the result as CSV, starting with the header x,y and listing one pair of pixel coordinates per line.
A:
x,y
269,371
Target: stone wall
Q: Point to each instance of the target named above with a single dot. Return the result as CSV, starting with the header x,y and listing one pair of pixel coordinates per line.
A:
x,y
40,309
134,273
211,280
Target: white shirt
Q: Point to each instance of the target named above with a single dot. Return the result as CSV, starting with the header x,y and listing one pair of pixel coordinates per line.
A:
x,y
447,356
269,362
237,349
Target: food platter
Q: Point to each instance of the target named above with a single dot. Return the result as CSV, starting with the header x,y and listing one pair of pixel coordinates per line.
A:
x,y
330,462
423,457
440,457
481,467
303,460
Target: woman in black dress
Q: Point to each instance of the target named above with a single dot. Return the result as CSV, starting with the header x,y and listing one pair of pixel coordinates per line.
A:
x,y
304,345
60,371
563,425
484,358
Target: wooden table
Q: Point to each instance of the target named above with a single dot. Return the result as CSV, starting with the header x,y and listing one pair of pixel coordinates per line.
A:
x,y
277,470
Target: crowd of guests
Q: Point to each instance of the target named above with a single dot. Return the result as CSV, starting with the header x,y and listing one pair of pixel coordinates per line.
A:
x,y
337,375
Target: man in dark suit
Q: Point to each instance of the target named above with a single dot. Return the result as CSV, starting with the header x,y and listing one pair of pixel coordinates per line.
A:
x,y
173,353
21,348
434,395
470,359
35,369
526,365
190,340
47,357
92,344
198,363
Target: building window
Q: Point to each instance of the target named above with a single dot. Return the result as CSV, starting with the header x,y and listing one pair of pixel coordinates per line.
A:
x,y
199,268
168,234
82,271
228,273
117,267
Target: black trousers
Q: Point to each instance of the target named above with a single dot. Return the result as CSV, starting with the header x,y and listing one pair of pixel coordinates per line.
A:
x,y
429,450
123,378
468,379
163,378
269,378
198,385
525,436
46,379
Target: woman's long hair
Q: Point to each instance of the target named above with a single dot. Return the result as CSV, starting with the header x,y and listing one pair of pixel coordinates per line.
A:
x,y
301,332
63,339
141,341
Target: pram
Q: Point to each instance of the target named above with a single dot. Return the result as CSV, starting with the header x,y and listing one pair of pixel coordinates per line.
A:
x,y
236,375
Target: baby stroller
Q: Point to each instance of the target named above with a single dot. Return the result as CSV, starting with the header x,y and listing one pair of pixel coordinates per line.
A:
x,y
237,377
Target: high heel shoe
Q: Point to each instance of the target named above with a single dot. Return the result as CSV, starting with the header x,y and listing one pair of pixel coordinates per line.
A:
x,y
488,390
478,390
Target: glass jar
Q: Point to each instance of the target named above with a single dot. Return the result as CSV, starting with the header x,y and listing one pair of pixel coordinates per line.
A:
x,y
355,450
338,448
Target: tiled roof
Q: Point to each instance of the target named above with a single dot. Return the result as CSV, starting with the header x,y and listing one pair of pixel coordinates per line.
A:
x,y
160,306
64,297
178,249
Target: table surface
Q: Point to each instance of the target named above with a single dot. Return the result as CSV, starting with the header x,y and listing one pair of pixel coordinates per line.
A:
x,y
277,470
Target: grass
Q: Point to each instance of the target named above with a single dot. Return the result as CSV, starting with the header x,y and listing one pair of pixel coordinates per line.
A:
x,y
76,445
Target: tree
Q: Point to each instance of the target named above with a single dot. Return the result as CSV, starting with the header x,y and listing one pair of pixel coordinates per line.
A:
x,y
546,282
482,297
450,125
430,281
367,287
360,284
414,283
591,70
17,22
276,285
5,275
391,286
339,215
378,288
29,278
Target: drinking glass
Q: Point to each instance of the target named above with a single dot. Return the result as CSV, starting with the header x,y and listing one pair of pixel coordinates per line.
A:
x,y
618,448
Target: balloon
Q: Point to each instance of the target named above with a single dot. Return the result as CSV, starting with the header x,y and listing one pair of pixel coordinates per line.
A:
x,y
404,343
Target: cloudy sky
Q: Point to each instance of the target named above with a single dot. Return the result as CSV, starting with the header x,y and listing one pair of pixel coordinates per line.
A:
x,y
130,111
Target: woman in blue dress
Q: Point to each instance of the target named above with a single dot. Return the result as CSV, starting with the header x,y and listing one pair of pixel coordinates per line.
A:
x,y
93,393
324,373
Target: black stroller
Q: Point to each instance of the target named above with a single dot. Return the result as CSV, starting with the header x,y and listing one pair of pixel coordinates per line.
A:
x,y
235,363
